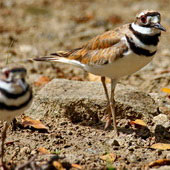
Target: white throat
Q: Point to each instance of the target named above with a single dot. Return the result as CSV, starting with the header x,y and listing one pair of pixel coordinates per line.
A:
x,y
12,87
145,30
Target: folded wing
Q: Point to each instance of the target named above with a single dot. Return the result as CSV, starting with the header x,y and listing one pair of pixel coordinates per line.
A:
x,y
101,50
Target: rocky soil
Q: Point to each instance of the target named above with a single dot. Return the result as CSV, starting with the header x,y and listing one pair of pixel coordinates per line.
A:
x,y
73,110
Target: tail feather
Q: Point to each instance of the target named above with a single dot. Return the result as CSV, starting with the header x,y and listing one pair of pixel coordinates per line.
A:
x,y
61,54
66,54
46,59
62,57
61,60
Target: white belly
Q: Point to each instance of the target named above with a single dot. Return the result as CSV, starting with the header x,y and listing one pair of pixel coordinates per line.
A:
x,y
10,115
121,67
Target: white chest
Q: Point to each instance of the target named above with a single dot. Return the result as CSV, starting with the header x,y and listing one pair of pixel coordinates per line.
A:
x,y
124,66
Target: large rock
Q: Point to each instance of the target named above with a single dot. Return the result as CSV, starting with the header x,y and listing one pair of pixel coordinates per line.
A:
x,y
84,101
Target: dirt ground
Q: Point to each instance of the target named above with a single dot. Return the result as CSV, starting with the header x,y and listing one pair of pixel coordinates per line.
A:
x,y
34,28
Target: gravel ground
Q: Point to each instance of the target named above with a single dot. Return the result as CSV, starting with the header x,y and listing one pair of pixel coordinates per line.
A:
x,y
33,28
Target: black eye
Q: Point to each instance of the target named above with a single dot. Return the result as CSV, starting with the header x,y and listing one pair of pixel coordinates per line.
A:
x,y
143,19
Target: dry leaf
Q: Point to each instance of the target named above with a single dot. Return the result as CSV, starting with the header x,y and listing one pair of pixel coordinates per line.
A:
x,y
43,150
166,90
138,122
58,165
76,166
42,81
163,72
92,77
27,121
159,162
161,146
111,157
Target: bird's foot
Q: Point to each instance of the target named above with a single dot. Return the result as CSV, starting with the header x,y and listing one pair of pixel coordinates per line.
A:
x,y
108,122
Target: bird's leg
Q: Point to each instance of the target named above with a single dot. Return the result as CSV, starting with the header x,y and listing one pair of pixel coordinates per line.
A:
x,y
108,122
112,105
14,124
3,141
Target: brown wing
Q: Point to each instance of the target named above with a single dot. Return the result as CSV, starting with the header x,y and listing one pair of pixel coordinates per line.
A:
x,y
103,41
100,50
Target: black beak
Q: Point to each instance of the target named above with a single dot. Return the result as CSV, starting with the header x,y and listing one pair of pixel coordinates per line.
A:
x,y
159,26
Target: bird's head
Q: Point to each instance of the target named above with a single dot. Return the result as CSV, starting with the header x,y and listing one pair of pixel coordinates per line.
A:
x,y
150,19
15,74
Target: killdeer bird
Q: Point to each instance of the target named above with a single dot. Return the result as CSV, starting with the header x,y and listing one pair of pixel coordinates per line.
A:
x,y
15,97
116,53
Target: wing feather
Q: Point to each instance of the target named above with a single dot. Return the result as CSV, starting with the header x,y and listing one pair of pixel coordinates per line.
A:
x,y
101,50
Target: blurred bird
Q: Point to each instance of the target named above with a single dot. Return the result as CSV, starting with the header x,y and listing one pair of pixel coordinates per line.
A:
x,y
116,53
15,97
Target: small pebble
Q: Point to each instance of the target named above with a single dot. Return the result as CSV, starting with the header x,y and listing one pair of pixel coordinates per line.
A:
x,y
33,152
113,142
24,150
132,158
162,119
168,156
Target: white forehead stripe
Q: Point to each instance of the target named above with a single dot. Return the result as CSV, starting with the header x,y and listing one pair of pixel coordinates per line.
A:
x,y
139,15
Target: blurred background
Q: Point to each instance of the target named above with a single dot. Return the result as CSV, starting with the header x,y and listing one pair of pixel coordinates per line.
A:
x,y
36,28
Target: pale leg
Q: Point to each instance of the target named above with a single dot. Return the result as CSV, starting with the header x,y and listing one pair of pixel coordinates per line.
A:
x,y
108,122
3,141
112,104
